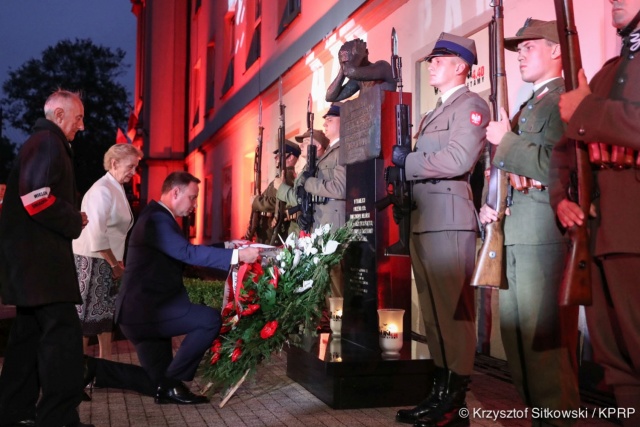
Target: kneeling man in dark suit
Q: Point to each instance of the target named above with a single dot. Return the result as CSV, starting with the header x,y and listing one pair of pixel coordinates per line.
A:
x,y
152,306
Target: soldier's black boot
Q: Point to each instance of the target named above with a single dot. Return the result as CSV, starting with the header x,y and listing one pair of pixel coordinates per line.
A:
x,y
423,408
448,412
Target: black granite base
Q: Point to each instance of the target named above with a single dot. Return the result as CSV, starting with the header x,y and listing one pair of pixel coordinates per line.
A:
x,y
345,375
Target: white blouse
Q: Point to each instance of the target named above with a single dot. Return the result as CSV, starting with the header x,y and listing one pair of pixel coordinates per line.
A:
x,y
109,216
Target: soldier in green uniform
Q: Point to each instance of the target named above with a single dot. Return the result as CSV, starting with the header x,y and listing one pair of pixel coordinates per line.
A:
x,y
267,202
539,336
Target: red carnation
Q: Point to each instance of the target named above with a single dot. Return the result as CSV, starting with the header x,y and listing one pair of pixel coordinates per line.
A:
x,y
269,329
304,234
225,328
247,296
251,308
237,352
217,344
215,358
228,309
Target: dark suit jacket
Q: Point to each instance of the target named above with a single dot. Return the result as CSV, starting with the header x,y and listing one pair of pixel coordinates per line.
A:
x,y
152,287
39,221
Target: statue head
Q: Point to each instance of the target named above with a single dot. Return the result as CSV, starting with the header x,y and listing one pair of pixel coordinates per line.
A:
x,y
353,49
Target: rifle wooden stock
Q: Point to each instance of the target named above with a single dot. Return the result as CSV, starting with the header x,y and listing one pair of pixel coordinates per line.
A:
x,y
281,208
575,288
490,265
254,218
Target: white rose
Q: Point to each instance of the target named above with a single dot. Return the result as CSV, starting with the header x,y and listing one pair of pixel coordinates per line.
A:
x,y
296,257
307,284
330,247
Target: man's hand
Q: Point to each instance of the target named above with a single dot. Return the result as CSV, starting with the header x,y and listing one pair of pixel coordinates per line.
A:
x,y
399,155
303,178
304,222
85,220
488,215
359,52
570,101
277,182
569,213
497,130
248,255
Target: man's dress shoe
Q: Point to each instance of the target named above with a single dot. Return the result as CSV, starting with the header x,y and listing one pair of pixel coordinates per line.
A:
x,y
24,423
88,375
179,394
32,423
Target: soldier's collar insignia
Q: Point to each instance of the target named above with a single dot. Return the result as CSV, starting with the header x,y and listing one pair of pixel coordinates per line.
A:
x,y
634,41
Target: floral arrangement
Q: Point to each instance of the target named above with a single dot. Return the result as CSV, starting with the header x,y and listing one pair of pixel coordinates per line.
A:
x,y
274,300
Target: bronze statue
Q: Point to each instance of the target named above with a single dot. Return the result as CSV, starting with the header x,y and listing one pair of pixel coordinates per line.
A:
x,y
362,74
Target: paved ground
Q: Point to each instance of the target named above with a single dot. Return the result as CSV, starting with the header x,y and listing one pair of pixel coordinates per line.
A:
x,y
272,399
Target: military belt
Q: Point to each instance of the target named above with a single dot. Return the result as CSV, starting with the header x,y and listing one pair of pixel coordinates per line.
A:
x,y
464,177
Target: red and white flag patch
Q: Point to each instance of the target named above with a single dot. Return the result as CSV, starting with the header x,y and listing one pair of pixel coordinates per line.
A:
x,y
475,118
38,200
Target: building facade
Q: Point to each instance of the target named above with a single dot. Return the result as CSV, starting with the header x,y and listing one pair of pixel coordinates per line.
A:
x,y
203,68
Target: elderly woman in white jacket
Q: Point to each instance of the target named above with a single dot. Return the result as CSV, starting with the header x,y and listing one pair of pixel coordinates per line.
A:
x,y
99,250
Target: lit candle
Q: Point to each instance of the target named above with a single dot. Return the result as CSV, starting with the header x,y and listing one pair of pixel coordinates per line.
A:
x,y
390,328
335,308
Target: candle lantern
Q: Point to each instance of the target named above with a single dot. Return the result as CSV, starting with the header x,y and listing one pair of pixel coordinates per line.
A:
x,y
335,350
390,332
335,308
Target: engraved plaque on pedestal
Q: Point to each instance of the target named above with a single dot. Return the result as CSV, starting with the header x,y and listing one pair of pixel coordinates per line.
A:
x,y
357,375
360,127
372,279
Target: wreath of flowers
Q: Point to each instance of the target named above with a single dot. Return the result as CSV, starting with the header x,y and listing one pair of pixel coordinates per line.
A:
x,y
273,300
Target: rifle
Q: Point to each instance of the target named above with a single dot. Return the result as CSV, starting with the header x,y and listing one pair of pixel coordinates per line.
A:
x,y
489,270
575,288
305,200
254,219
281,210
398,188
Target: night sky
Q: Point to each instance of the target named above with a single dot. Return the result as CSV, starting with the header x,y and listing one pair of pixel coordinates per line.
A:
x,y
27,27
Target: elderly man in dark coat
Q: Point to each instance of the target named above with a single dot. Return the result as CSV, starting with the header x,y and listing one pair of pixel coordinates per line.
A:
x,y
39,221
